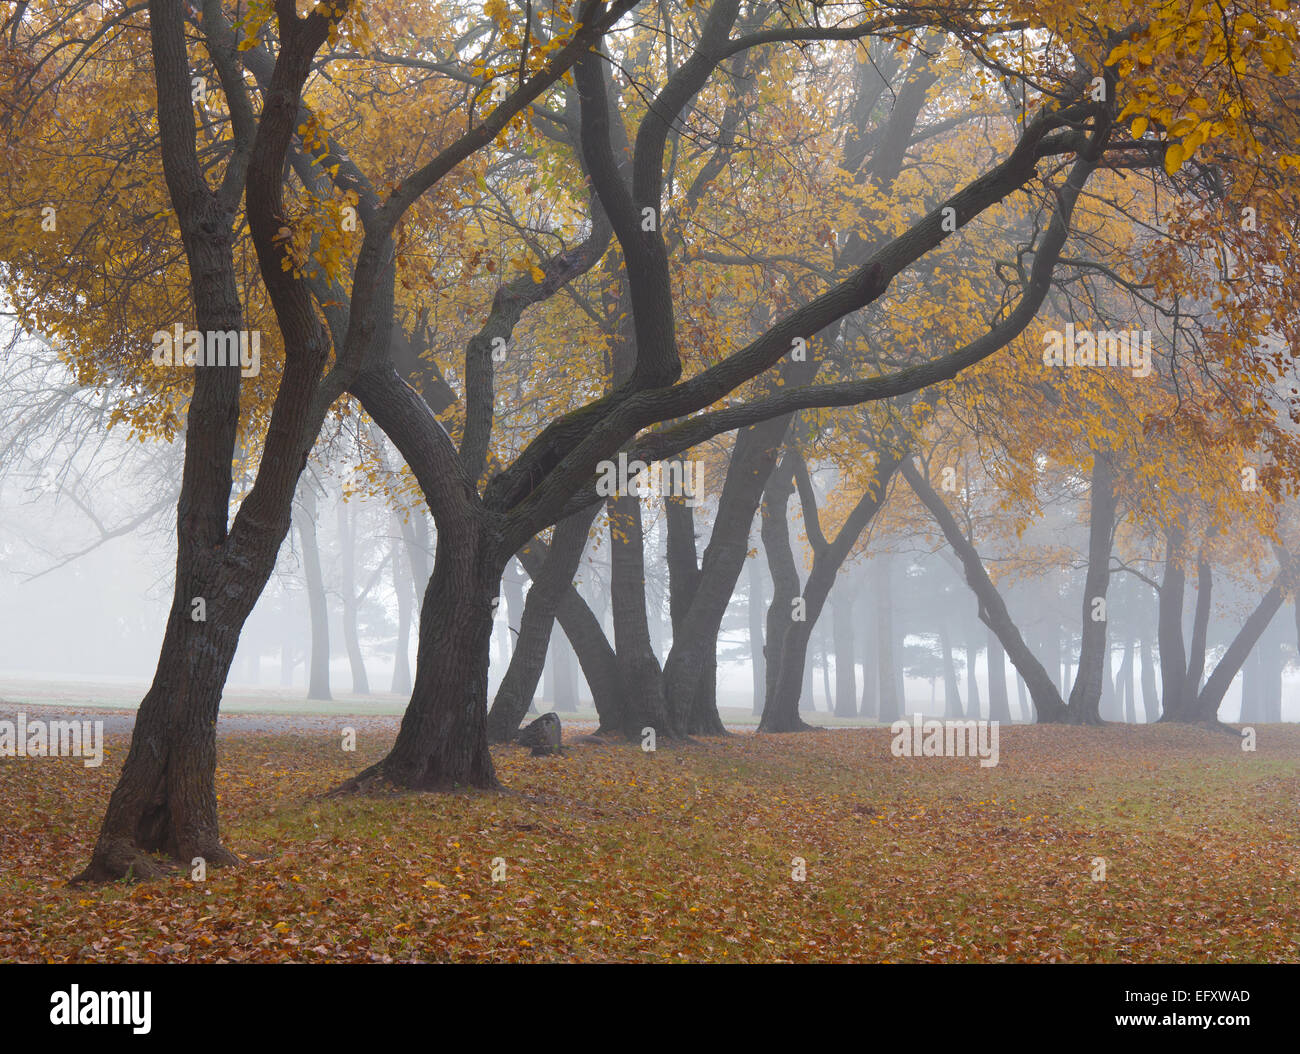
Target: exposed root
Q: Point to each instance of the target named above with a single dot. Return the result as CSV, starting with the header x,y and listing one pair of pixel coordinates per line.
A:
x,y
119,860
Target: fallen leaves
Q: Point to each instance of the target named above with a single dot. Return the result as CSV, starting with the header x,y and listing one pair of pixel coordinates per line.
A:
x,y
685,855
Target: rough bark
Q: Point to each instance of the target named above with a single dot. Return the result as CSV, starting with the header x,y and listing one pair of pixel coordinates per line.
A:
x,y
698,713
644,704
442,743
165,797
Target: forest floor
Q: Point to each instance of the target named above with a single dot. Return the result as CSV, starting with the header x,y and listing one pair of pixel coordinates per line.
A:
x,y
693,852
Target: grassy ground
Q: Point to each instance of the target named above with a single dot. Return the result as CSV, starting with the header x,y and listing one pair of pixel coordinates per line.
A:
x,y
687,854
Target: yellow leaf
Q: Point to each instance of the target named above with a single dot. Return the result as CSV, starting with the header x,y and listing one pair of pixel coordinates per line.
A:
x,y
1173,158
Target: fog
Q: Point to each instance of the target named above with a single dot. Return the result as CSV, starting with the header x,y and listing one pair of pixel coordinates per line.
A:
x,y
87,551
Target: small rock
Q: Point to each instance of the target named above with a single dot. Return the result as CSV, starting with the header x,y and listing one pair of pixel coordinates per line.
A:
x,y
543,735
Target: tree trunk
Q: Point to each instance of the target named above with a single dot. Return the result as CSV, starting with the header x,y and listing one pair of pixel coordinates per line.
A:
x,y
846,684
972,682
785,589
442,743
999,703
1272,675
952,707
347,549
807,690
870,651
644,706
1085,697
889,677
582,627
548,674
1200,625
1207,704
1124,706
755,606
992,609
1252,708
318,675
1177,702
566,680
696,710
1150,693
781,712
552,577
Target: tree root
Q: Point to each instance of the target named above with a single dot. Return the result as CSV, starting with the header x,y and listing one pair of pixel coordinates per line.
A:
x,y
121,860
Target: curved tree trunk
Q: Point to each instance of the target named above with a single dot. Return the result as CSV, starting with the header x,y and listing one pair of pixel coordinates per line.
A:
x,y
1252,683
1216,686
992,609
553,576
698,620
785,589
781,712
165,798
